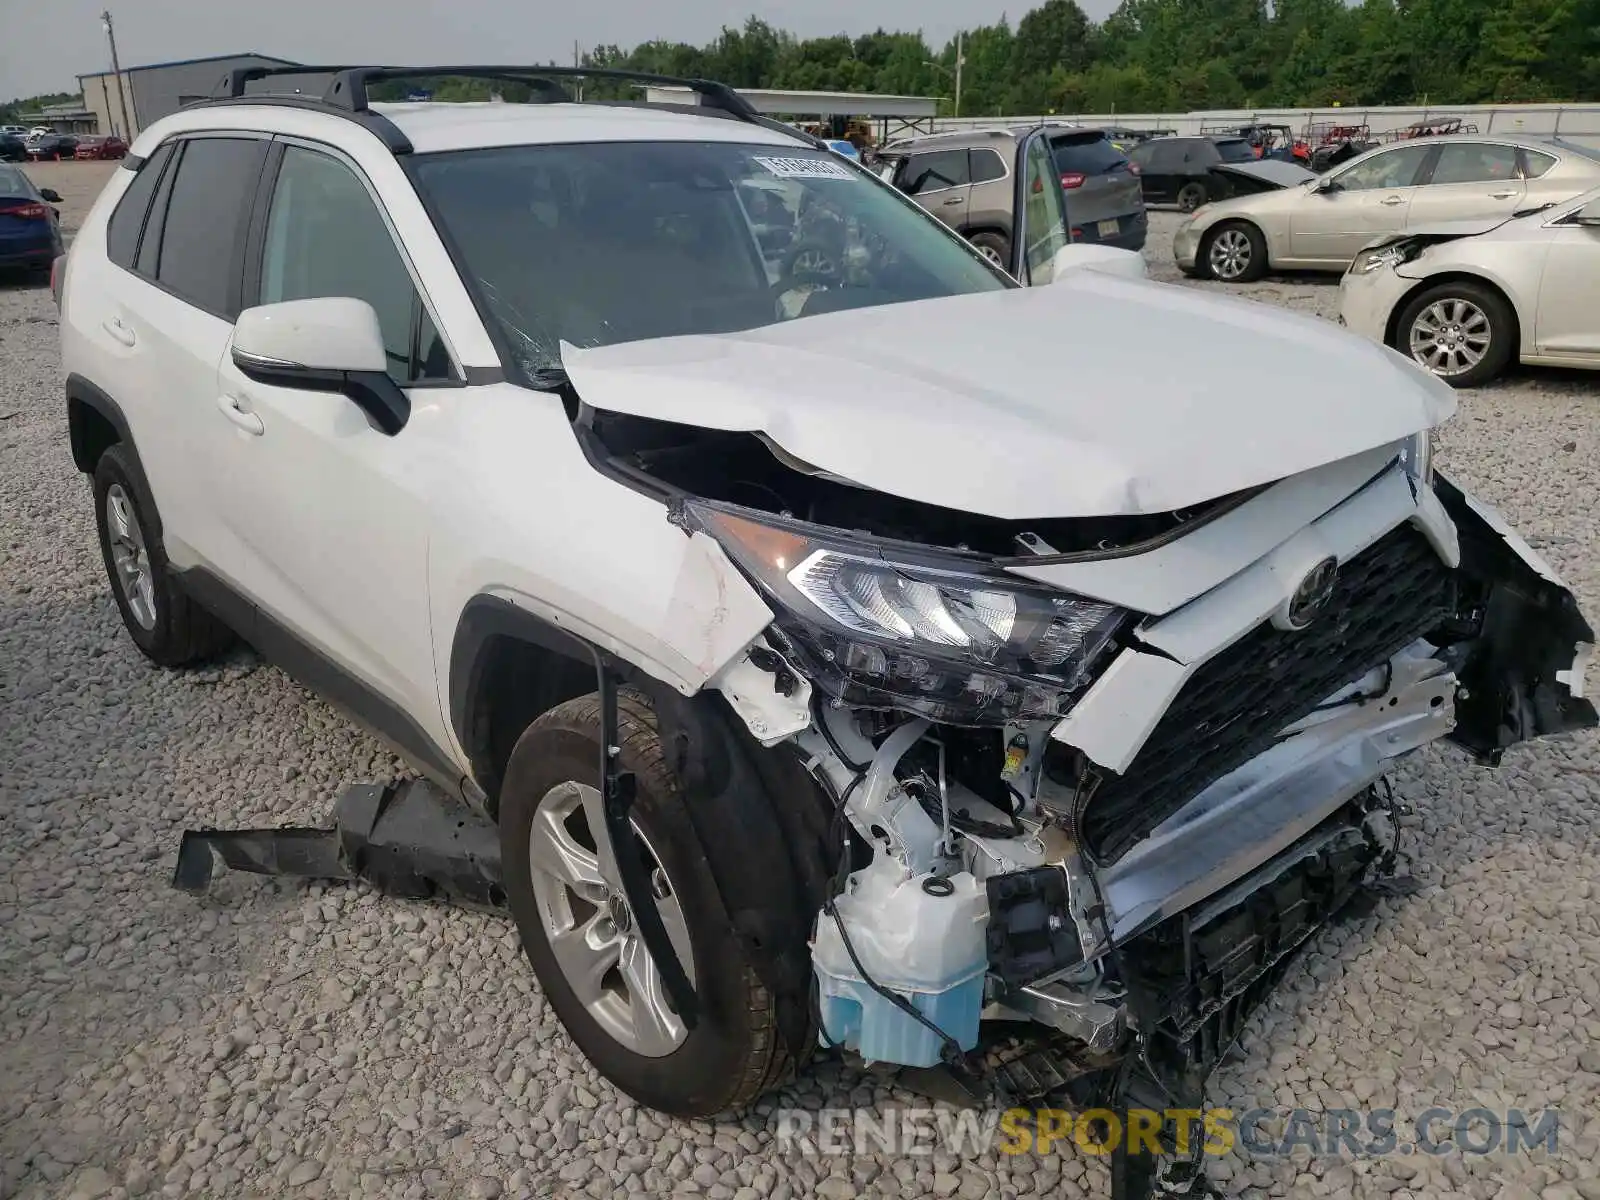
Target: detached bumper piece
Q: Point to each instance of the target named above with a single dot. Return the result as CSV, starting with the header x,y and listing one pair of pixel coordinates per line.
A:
x,y
407,839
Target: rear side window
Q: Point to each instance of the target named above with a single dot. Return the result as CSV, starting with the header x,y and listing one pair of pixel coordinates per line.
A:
x,y
1536,163
1087,155
1475,162
930,172
210,208
122,231
987,165
1236,150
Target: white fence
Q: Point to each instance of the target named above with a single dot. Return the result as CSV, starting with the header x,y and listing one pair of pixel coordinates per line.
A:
x,y
1575,122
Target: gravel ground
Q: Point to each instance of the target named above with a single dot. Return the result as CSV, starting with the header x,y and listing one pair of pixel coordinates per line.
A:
x,y
281,1039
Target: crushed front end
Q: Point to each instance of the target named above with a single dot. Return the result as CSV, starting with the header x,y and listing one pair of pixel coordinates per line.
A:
x,y
1089,803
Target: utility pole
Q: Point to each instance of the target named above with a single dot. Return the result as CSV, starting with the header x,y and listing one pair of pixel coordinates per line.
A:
x,y
960,58
116,72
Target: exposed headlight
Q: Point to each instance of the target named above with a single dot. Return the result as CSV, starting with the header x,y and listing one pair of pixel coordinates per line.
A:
x,y
1376,260
1417,456
876,627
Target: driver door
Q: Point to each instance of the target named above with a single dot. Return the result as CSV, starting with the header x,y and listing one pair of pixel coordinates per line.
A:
x,y
326,511
1041,213
1358,203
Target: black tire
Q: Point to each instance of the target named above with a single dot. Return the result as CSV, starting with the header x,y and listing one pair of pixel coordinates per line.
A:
x,y
996,247
1191,196
734,1053
1255,264
180,631
1502,323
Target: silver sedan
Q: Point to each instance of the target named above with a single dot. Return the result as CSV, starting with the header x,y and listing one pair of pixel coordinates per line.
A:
x,y
1464,300
1321,223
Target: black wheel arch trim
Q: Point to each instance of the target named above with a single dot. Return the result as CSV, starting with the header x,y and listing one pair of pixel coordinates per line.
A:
x,y
751,809
83,395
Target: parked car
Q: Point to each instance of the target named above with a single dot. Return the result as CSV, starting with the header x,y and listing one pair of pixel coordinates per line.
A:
x,y
16,131
981,183
52,147
778,645
1467,300
1177,170
100,146
30,228
1104,203
12,148
1323,223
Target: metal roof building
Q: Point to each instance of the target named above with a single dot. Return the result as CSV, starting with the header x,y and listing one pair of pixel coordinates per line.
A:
x,y
150,92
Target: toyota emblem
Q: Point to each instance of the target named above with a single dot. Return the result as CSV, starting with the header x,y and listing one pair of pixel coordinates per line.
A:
x,y
1313,594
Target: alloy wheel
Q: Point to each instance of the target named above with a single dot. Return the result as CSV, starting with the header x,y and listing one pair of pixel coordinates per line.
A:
x,y
592,933
130,557
1450,336
1229,256
993,255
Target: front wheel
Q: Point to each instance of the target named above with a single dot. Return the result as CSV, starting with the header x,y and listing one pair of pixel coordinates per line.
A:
x,y
564,889
1461,331
1235,252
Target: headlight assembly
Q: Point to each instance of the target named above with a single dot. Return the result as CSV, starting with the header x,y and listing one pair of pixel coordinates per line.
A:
x,y
928,635
1376,260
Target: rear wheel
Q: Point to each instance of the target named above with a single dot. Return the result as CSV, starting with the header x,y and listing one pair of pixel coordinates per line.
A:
x,y
1191,196
164,623
1463,332
565,892
996,247
1235,252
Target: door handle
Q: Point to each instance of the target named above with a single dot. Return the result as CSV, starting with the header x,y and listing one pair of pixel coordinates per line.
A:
x,y
233,408
118,331
1392,200
955,200
1501,195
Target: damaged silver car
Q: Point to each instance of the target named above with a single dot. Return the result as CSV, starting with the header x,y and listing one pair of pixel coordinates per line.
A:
x,y
802,663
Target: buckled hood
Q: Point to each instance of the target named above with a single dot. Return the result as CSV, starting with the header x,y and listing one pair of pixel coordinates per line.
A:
x,y
1095,396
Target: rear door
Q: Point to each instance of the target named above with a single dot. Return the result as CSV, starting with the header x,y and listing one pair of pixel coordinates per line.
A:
x,y
163,318
1469,180
1361,201
940,181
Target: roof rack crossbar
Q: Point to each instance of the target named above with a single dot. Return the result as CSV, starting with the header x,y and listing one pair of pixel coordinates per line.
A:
x,y
347,92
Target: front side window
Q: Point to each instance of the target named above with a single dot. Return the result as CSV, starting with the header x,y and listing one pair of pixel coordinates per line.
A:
x,y
210,205
598,243
934,172
1475,162
326,237
1391,169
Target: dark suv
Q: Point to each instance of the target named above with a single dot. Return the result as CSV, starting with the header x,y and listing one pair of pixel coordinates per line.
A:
x,y
1105,204
1177,170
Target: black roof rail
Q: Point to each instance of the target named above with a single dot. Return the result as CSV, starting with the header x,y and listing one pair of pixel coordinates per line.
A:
x,y
346,93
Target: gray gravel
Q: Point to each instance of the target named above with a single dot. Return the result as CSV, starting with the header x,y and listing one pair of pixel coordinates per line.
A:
x,y
280,1039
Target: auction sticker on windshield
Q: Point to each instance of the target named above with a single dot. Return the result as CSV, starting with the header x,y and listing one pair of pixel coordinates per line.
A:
x,y
805,168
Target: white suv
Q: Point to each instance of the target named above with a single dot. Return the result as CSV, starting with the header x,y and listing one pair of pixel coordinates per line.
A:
x,y
723,527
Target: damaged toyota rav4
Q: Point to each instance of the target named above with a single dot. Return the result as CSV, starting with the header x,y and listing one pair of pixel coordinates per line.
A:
x,y
718,531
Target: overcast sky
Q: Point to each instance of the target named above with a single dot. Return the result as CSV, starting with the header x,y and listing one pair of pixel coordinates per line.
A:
x,y
47,43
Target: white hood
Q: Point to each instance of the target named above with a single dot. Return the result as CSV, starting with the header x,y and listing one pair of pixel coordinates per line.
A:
x,y
1095,396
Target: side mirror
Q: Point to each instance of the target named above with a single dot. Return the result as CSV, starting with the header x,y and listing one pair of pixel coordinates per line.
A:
x,y
1589,214
1324,185
50,195
330,344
